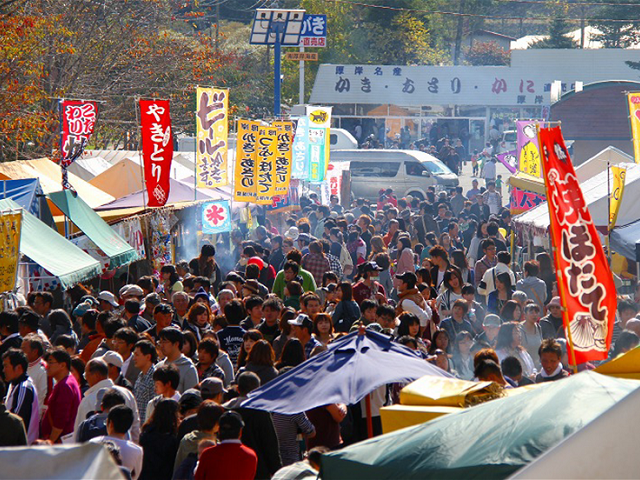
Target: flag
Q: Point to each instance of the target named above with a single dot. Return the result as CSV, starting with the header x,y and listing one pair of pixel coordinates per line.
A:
x,y
245,171
284,156
265,164
585,282
633,99
216,217
212,130
157,149
10,230
300,167
509,160
319,119
78,118
619,175
528,153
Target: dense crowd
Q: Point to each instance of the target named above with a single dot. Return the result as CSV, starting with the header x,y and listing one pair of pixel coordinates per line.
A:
x,y
159,369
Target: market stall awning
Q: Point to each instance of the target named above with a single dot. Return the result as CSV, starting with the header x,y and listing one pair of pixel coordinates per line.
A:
x,y
94,227
28,193
53,252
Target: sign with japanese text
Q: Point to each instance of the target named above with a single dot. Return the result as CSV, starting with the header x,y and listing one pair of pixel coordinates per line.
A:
x,y
289,202
10,230
266,153
212,130
528,153
245,171
314,31
333,183
78,123
319,119
509,160
301,56
284,156
585,282
619,176
633,99
216,217
157,149
300,167
523,200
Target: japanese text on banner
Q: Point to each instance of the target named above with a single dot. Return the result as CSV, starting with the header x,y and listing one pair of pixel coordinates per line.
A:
x,y
157,149
78,122
633,99
265,164
528,153
318,149
585,281
10,229
245,171
300,167
284,156
212,130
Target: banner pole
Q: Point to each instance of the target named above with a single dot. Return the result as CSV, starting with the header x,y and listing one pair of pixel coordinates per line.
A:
x,y
565,312
609,210
195,150
144,180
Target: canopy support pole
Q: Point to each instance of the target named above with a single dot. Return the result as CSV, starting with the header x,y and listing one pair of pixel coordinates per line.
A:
x,y
367,401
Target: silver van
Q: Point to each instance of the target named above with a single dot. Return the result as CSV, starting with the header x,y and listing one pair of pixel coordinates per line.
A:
x,y
407,172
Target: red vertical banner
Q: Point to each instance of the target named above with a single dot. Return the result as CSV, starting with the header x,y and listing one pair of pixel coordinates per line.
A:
x,y
157,149
78,120
585,282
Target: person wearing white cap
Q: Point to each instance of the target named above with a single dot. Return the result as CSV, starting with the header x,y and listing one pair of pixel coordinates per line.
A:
x,y
108,301
97,375
115,362
131,291
552,326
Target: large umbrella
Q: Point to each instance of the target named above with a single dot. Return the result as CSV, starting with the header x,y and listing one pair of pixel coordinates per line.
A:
x,y
491,440
349,370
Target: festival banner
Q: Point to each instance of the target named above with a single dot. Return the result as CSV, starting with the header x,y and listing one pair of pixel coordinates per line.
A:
x,y
284,156
528,152
266,164
157,149
216,217
289,202
585,282
333,184
633,99
245,170
523,200
10,230
212,131
619,176
318,143
509,160
78,120
300,167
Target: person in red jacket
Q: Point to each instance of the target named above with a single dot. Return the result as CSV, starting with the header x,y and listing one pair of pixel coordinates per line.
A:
x,y
230,459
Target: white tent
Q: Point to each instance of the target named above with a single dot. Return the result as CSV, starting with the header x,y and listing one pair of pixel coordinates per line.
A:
x,y
598,163
604,448
181,166
87,168
535,222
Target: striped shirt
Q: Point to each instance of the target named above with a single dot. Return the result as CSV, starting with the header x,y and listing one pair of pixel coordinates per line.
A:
x,y
22,399
287,428
144,390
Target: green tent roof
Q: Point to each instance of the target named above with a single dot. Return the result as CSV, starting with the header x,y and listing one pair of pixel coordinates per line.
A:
x,y
491,440
52,251
82,215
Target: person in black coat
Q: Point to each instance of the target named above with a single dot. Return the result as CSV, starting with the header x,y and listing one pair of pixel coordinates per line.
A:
x,y
159,440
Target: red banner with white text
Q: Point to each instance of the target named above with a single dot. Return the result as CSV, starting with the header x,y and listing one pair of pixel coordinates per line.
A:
x,y
78,119
157,149
585,282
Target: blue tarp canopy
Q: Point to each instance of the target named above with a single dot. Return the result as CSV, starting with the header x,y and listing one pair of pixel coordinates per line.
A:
x,y
351,368
624,240
28,193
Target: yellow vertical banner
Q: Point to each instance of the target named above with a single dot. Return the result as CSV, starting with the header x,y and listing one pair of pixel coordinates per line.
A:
x,y
212,132
245,171
619,176
10,229
266,154
285,156
634,118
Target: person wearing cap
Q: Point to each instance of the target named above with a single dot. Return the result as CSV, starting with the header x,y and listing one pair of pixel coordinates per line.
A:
x,y
207,417
230,458
163,316
367,287
489,337
108,301
115,362
551,324
146,307
131,291
410,299
97,375
302,328
211,389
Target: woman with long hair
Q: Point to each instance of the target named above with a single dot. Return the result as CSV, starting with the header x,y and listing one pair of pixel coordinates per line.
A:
x,y
547,272
170,281
323,328
511,312
292,356
261,361
502,293
248,340
445,241
159,440
406,261
474,246
205,265
410,326
459,260
509,344
462,359
452,291
198,320
440,341
384,276
286,314
377,246
61,325
347,310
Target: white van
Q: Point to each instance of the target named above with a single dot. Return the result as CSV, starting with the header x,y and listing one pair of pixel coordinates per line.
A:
x,y
341,139
407,172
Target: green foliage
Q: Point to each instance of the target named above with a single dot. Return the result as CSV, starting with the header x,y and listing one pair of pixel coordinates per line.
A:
x,y
557,36
487,53
620,34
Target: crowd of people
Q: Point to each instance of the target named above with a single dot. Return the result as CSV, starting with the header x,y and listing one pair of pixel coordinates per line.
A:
x,y
159,369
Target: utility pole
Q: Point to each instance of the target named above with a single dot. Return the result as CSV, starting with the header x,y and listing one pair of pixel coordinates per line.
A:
x,y
458,42
582,25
